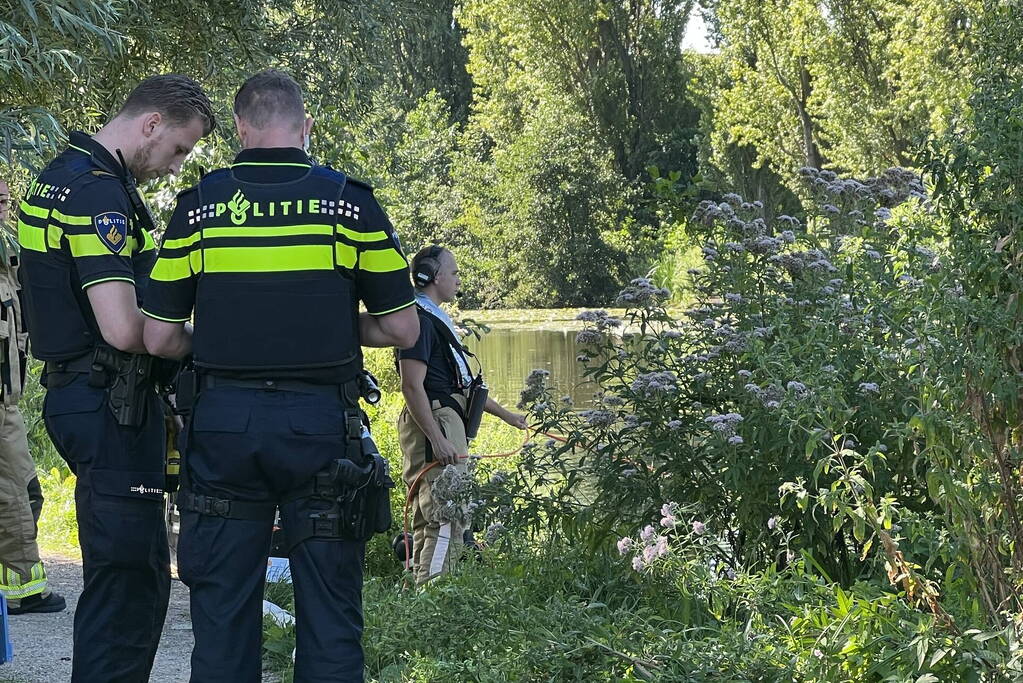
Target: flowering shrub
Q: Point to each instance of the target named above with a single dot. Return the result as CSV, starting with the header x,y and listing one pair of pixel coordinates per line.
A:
x,y
797,346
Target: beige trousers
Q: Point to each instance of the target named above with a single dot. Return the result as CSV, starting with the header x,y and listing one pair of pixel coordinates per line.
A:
x,y
21,572
436,543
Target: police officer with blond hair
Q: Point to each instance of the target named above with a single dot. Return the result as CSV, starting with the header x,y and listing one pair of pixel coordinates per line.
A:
x,y
272,256
86,253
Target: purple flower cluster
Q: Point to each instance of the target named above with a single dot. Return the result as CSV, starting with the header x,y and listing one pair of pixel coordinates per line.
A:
x,y
724,424
536,385
652,543
655,383
642,292
600,319
598,418
589,337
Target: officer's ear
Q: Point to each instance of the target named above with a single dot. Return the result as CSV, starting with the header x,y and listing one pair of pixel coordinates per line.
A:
x,y
150,122
242,128
306,129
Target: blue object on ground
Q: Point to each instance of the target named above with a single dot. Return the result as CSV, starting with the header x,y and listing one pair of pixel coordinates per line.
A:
x,y
6,647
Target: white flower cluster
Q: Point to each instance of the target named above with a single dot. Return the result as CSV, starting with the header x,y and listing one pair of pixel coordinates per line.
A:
x,y
453,491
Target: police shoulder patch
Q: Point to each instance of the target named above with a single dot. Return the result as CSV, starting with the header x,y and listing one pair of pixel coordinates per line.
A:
x,y
112,228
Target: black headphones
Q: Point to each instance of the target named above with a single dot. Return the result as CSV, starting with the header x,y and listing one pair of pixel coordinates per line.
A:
x,y
426,265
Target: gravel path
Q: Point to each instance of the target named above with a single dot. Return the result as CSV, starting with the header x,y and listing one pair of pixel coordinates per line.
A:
x,y
42,642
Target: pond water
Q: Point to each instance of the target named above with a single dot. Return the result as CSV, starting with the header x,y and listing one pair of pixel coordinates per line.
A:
x,y
517,344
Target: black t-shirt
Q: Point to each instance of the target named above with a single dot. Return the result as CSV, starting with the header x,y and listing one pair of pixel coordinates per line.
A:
x,y
75,228
435,351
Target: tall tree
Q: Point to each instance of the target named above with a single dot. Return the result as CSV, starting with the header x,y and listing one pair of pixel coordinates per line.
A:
x,y
856,85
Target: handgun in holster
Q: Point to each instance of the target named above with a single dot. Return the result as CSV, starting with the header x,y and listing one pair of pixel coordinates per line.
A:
x,y
361,485
127,377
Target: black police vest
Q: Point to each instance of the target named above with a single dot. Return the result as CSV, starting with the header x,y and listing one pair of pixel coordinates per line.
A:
x,y
51,339
271,294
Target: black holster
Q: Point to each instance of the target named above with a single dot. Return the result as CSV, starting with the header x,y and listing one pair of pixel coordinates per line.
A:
x,y
353,494
128,380
186,390
474,405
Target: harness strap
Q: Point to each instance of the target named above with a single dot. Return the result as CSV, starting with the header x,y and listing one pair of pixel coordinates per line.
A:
x,y
446,401
455,345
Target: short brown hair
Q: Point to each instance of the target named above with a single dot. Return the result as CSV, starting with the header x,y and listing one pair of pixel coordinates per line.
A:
x,y
178,98
268,95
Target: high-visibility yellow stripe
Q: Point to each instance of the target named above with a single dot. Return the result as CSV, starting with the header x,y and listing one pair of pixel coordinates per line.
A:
x,y
90,283
392,310
14,588
181,242
88,245
166,320
147,241
279,231
30,237
346,255
382,261
362,236
267,163
71,220
268,259
180,268
34,211
53,235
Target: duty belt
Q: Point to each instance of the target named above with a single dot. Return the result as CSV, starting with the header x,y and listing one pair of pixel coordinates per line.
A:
x,y
216,381
80,364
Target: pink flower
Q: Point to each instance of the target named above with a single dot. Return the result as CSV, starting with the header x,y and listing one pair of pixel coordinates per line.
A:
x,y
772,523
650,553
637,563
668,521
647,533
662,546
624,545
699,528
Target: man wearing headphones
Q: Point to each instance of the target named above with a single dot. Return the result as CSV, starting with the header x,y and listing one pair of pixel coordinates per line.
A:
x,y
435,377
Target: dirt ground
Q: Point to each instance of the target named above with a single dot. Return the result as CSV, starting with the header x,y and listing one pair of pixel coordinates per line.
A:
x,y
42,642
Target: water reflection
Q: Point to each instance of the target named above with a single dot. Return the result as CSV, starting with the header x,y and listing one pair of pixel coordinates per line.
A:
x,y
509,354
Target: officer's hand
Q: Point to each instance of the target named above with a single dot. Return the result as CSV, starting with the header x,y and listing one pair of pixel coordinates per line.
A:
x,y
444,452
516,420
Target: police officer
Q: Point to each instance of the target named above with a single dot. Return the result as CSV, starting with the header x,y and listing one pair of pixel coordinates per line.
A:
x,y
435,378
273,255
86,255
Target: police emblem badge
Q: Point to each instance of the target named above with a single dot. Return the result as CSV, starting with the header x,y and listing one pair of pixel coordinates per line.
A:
x,y
112,228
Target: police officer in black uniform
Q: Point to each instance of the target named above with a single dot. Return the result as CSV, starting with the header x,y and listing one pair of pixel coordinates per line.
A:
x,y
273,255
86,255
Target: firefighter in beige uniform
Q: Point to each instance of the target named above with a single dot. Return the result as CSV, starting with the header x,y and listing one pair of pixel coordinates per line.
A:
x,y
22,576
431,427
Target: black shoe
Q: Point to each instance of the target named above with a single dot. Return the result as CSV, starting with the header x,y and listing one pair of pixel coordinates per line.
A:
x,y
51,602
